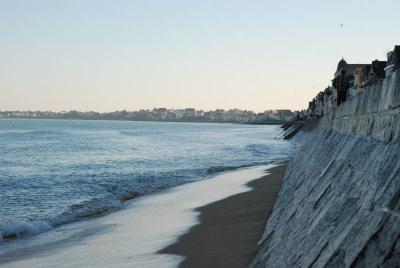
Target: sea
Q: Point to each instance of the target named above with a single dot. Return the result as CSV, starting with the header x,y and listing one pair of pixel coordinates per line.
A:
x,y
55,172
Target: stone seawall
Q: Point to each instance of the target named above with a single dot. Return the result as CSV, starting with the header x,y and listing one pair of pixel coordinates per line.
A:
x,y
374,112
339,205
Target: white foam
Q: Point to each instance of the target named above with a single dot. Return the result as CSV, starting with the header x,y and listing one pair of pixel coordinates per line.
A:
x,y
18,229
133,236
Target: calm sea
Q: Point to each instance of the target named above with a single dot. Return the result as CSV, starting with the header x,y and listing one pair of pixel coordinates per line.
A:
x,y
54,172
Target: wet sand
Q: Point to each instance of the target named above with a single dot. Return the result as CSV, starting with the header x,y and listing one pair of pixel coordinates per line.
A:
x,y
229,229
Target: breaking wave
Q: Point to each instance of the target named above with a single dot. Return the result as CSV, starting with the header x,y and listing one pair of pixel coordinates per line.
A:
x,y
19,229
97,207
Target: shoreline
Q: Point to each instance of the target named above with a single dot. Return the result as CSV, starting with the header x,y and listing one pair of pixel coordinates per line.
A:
x,y
125,199
228,231
134,236
277,123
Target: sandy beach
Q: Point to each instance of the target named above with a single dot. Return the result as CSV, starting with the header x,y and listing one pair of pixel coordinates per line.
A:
x,y
231,208
229,229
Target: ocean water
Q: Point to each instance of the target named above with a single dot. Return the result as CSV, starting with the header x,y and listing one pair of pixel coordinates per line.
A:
x,y
54,172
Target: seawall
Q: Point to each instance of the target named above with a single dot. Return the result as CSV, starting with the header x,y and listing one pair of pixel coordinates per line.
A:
x,y
339,205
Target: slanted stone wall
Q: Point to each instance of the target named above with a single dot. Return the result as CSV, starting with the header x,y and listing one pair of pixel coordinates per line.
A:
x,y
339,205
373,112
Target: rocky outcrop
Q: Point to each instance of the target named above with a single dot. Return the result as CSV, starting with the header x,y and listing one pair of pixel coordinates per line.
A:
x,y
339,205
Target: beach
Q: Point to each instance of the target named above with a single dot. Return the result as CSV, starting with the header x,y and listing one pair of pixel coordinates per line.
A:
x,y
229,229
219,219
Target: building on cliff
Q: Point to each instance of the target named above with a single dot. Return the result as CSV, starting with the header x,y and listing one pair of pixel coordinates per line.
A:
x,y
393,60
339,204
348,68
351,79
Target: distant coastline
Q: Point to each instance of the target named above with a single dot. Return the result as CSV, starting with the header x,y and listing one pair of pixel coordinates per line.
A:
x,y
270,122
271,117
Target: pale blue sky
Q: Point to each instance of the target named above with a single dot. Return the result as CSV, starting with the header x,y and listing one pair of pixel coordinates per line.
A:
x,y
113,55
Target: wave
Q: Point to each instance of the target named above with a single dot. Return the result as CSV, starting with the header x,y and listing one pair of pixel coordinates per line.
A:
x,y
85,210
140,133
218,169
117,196
17,133
19,229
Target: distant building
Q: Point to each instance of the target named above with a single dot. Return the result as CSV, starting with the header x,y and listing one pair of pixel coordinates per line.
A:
x,y
348,76
179,113
219,115
199,113
234,115
160,113
393,60
349,80
360,76
189,113
348,68
284,114
329,100
311,108
377,70
171,115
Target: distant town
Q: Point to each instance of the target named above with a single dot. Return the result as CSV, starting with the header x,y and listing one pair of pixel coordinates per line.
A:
x,y
164,114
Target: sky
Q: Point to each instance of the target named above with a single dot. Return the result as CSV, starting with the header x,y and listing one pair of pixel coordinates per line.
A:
x,y
118,54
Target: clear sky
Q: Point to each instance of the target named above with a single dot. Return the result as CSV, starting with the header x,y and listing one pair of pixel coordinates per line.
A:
x,y
119,54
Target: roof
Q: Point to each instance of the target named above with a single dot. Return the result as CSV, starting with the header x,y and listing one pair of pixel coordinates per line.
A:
x,y
341,65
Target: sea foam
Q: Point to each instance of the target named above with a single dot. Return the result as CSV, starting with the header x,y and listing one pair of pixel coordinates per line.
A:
x,y
18,229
